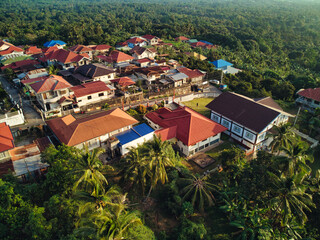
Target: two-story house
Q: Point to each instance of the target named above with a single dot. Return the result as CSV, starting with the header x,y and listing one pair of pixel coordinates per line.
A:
x,y
81,49
115,58
91,92
195,76
178,79
151,40
8,50
142,52
191,131
150,74
136,41
49,91
309,98
247,120
92,131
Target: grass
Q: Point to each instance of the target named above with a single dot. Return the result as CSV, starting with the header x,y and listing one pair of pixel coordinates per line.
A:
x,y
199,104
16,59
214,153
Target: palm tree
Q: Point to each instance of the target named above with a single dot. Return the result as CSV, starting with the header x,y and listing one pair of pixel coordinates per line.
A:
x,y
290,197
136,170
52,70
161,156
282,138
88,169
199,190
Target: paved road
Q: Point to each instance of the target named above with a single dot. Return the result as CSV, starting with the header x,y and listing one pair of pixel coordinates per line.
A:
x,y
32,117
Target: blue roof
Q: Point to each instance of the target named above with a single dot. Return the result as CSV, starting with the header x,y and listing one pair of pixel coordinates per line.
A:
x,y
54,42
221,63
134,133
206,42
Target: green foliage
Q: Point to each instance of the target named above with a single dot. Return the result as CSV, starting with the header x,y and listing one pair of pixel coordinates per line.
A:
x,y
142,109
106,106
191,230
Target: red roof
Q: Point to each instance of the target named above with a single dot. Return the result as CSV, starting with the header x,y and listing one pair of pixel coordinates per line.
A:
x,y
51,83
33,50
11,49
117,56
182,38
191,73
198,44
312,93
33,80
6,138
135,40
63,56
19,64
101,47
149,37
123,81
143,60
191,127
89,88
49,49
80,48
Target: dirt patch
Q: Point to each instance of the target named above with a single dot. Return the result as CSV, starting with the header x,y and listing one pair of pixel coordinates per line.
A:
x,y
202,160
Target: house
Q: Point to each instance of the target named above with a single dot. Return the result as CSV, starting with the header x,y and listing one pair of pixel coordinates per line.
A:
x,y
41,72
309,98
225,66
141,52
144,62
178,79
8,50
134,137
22,66
136,41
100,49
116,57
49,91
151,40
33,50
65,59
247,120
195,76
6,143
93,72
81,49
150,74
89,93
123,82
196,55
57,43
182,39
191,131
92,131
190,41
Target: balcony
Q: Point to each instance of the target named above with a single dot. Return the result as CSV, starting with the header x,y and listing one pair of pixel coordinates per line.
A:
x,y
53,99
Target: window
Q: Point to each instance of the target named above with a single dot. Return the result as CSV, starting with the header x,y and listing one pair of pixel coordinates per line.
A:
x,y
207,145
262,136
201,147
237,129
214,141
101,94
89,97
249,135
79,100
225,123
215,118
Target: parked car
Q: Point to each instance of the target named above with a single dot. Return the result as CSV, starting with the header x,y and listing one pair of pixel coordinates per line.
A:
x,y
215,81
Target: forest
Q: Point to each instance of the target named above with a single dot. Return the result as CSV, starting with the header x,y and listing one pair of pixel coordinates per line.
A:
x,y
151,194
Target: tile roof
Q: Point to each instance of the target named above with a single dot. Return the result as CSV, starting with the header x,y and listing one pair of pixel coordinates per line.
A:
x,y
117,56
71,131
143,60
80,48
311,93
20,64
89,88
43,143
191,127
135,40
33,80
6,138
93,70
51,83
100,47
149,37
244,111
53,43
64,56
182,38
191,73
11,49
123,81
49,49
33,50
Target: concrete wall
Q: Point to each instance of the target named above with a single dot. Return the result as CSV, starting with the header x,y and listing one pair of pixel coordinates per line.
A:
x,y
12,118
126,148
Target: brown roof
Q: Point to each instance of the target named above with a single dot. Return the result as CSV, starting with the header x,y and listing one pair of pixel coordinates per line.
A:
x,y
191,73
117,56
89,88
311,93
80,49
243,110
269,102
181,38
6,138
100,47
63,56
191,127
135,40
140,50
43,143
51,83
71,131
33,50
123,81
93,70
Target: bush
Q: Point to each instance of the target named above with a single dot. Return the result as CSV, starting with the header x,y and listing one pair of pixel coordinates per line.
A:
x,y
106,106
142,109
132,112
155,107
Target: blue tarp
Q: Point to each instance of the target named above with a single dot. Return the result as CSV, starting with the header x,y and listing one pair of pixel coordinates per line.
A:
x,y
221,63
54,42
134,133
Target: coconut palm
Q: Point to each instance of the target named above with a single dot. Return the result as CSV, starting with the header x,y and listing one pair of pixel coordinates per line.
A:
x,y
161,155
52,70
282,138
290,197
199,190
88,169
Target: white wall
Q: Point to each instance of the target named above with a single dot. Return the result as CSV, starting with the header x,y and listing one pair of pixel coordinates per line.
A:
x,y
83,101
13,119
126,148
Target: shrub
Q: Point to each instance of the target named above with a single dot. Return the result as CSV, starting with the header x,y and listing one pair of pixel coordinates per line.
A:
x,y
142,109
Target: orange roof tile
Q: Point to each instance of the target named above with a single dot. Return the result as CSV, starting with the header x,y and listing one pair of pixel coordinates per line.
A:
x,y
33,50
100,47
71,131
11,49
51,83
80,49
123,81
64,56
6,138
117,56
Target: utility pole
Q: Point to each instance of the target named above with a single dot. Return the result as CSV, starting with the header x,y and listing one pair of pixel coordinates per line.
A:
x,y
295,121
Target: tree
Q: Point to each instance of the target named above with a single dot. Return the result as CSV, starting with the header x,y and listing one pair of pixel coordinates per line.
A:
x,y
52,70
87,168
199,190
282,138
